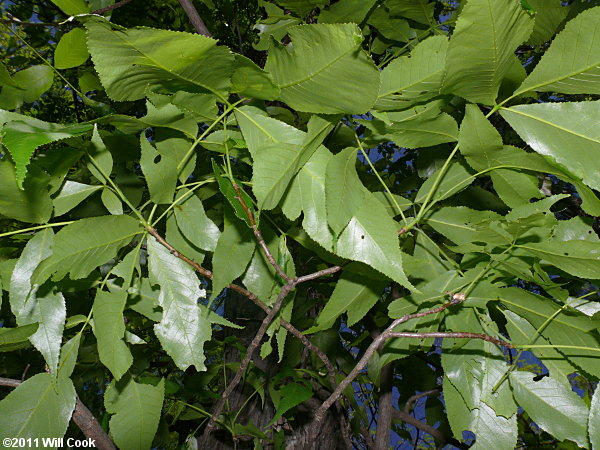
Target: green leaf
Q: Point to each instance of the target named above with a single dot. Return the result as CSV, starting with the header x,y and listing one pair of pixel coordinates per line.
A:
x,y
86,244
311,182
23,138
491,431
302,7
522,332
388,26
160,170
417,77
233,252
292,394
572,63
144,299
161,113
344,191
548,17
129,62
68,356
250,80
456,178
569,330
32,203
354,293
10,336
194,224
37,249
420,10
371,237
111,202
229,192
31,84
577,228
183,245
553,406
422,126
72,7
566,132
486,35
464,225
71,195
515,188
327,72
100,159
184,328
39,408
71,50
5,78
109,329
346,11
49,310
274,167
478,139
579,258
260,277
136,410
474,370
594,420
278,30
259,129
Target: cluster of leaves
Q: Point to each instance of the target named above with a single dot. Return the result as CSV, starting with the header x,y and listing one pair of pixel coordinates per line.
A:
x,y
366,172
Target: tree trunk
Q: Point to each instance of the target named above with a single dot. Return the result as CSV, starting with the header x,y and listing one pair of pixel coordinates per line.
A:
x,y
253,411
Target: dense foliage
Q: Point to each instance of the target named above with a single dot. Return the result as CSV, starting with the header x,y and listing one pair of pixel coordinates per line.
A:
x,y
316,224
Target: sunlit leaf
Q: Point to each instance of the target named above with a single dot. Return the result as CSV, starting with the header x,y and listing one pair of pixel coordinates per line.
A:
x,y
327,72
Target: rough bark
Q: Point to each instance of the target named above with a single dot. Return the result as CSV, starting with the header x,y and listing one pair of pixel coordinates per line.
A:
x,y
298,433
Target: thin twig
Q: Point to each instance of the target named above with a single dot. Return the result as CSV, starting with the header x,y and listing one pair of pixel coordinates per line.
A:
x,y
258,234
437,434
411,401
195,18
284,323
459,335
285,290
13,19
318,274
82,417
320,414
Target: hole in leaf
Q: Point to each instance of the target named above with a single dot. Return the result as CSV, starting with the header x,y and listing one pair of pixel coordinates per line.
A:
x,y
157,159
363,236
566,254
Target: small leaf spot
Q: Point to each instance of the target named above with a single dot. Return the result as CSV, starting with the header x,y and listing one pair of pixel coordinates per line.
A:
x,y
157,159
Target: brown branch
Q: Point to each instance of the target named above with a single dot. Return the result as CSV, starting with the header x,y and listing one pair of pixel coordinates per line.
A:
x,y
318,274
440,437
111,7
284,323
195,18
82,417
285,290
258,234
385,409
411,400
459,335
320,414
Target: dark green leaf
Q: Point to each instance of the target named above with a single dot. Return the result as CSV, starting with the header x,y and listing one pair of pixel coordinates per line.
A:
x,y
109,329
136,410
